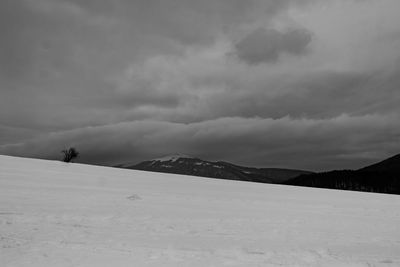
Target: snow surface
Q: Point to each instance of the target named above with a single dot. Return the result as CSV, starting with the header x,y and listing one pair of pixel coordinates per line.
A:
x,y
172,158
58,214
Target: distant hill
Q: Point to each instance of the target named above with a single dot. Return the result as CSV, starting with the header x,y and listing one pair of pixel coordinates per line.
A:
x,y
182,164
391,164
382,177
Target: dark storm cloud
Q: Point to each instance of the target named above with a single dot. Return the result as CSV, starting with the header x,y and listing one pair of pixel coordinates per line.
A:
x,y
262,142
14,58
62,62
59,62
107,33
188,21
185,21
76,72
266,45
13,135
321,94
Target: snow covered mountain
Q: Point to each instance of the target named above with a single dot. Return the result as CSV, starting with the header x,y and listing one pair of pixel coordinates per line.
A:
x,y
183,164
65,214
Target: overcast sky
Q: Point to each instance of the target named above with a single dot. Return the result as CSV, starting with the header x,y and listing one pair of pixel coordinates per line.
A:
x,y
277,83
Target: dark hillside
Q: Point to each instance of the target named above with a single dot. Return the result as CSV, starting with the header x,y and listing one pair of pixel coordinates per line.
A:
x,y
382,177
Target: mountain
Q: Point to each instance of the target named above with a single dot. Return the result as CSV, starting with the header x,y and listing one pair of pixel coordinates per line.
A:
x,y
382,177
183,164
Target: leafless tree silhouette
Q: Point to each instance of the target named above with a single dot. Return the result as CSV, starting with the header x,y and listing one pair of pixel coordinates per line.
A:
x,y
69,154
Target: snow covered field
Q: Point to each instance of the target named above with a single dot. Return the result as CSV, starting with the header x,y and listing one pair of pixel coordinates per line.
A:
x,y
59,214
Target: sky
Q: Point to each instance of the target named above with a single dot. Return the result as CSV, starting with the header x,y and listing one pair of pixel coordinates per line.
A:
x,y
302,84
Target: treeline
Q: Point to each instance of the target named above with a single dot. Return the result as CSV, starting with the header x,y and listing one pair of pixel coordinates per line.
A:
x,y
369,181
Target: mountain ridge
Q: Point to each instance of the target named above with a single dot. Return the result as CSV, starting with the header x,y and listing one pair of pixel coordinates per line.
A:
x,y
183,164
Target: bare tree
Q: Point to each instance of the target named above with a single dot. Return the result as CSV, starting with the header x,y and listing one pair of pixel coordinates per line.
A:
x,y
69,154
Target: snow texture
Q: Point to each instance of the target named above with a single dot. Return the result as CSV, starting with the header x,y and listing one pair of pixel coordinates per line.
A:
x,y
59,214
172,158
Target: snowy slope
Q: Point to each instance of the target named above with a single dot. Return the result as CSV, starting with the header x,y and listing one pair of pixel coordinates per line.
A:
x,y
59,214
172,158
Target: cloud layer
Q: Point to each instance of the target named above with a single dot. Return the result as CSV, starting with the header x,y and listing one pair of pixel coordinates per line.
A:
x,y
260,82
266,45
269,141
